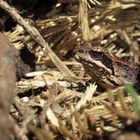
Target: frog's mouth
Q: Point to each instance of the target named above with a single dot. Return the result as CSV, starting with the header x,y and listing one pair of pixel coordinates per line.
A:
x,y
86,57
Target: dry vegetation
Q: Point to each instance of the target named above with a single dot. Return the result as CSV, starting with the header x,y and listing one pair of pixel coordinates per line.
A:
x,y
55,98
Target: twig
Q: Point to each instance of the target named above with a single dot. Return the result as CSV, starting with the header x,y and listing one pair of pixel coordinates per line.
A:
x,y
37,37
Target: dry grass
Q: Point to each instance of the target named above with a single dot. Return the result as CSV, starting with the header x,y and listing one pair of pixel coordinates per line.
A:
x,y
50,106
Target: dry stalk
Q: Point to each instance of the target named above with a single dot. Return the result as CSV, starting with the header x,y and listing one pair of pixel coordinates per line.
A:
x,y
37,37
83,20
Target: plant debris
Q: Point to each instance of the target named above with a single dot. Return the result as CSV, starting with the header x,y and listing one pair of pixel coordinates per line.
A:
x,y
55,97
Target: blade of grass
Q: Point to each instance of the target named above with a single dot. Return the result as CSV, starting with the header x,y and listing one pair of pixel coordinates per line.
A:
x,y
136,100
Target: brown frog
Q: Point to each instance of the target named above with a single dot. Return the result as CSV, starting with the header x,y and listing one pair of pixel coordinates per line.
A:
x,y
106,69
